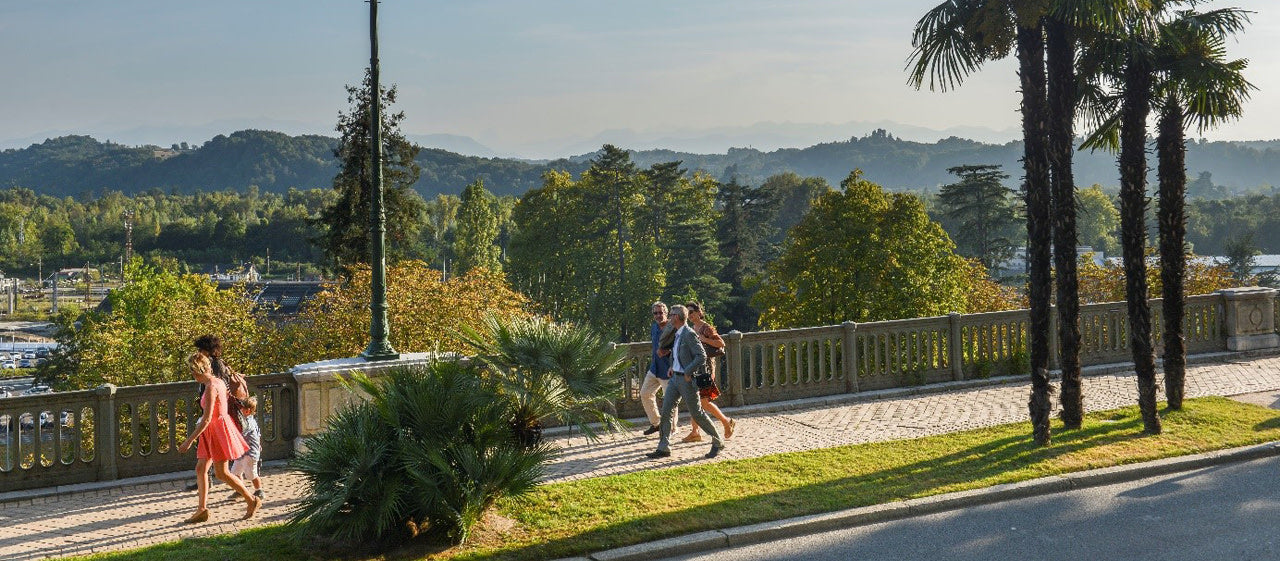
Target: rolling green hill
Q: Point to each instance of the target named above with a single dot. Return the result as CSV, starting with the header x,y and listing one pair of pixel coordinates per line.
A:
x,y
276,162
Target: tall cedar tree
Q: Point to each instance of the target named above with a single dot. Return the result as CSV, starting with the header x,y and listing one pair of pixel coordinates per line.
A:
x,y
984,213
615,173
744,231
477,230
584,250
345,222
687,240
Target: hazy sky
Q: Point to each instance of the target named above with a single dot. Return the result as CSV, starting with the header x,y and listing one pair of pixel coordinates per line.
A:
x,y
509,72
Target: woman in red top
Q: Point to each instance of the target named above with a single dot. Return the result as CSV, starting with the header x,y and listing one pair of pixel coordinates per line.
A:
x,y
710,339
220,440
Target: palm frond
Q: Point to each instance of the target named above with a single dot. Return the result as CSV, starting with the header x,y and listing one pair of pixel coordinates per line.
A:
x,y
944,52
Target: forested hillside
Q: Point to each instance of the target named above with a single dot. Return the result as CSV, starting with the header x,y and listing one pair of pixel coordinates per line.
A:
x,y
276,162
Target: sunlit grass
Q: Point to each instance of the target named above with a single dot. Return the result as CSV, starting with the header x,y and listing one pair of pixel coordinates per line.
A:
x,y
578,517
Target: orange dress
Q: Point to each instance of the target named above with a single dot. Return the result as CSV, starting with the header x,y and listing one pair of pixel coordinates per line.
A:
x,y
221,440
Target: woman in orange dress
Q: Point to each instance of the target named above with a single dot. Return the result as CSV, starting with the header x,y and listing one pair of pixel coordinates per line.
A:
x,y
220,440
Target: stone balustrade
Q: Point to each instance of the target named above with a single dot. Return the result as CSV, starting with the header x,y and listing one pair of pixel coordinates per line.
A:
x,y
108,432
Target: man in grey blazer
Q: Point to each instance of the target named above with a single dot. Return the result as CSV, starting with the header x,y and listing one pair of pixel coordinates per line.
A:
x,y
688,359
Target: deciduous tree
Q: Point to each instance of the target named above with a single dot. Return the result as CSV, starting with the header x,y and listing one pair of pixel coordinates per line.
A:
x,y
862,254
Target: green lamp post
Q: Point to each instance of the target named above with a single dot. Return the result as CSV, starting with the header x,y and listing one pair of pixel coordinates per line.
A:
x,y
379,344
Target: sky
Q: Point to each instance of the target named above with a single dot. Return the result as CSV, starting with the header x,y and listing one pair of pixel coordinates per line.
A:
x,y
528,78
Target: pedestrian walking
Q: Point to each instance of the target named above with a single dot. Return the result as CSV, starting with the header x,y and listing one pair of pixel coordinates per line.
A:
x,y
708,389
220,441
688,358
659,369
246,467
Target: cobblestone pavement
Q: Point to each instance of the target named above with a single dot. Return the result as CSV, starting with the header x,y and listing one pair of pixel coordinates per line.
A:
x,y
137,515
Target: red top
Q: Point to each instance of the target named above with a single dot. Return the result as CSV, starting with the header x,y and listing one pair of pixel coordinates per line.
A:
x,y
221,440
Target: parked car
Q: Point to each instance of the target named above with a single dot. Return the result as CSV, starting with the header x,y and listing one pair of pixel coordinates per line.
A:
x,y
29,354
26,363
8,364
37,390
42,352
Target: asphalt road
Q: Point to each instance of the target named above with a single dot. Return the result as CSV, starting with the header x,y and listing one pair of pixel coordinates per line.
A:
x,y
1225,512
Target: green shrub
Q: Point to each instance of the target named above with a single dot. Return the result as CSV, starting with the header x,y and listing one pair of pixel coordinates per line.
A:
x,y
551,372
431,450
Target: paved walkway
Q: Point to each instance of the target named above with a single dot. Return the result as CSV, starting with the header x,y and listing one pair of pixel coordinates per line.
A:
x,y
136,515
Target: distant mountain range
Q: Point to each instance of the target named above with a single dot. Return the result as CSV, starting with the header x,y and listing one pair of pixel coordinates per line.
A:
x,y
275,162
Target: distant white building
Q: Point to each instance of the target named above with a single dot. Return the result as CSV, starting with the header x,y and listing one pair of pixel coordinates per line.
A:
x,y
246,272
1017,265
1261,263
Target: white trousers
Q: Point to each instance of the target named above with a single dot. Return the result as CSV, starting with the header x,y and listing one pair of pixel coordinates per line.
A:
x,y
649,397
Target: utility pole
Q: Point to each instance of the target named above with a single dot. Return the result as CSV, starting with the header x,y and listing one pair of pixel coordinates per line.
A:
x,y
379,345
128,235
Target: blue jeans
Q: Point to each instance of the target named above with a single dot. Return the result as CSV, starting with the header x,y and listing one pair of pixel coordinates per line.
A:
x,y
679,388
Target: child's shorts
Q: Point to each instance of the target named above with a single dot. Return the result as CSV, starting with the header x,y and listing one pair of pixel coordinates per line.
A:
x,y
246,468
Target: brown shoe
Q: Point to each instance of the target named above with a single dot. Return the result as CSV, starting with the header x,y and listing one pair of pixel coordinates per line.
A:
x,y
728,429
252,508
200,516
692,438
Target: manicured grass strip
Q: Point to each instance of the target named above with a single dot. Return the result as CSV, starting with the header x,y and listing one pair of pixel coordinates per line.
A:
x,y
594,514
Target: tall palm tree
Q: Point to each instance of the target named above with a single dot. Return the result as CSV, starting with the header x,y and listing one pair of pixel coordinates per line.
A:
x,y
1199,85
1148,77
1061,95
1126,61
1068,24
951,41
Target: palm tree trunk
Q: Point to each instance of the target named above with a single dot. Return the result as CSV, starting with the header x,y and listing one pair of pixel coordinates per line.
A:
x,y
1061,99
1172,151
1133,202
1035,163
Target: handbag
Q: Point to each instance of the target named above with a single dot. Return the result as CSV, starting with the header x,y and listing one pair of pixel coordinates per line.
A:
x,y
703,381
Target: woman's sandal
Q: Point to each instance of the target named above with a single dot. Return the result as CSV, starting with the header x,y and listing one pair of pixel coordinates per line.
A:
x,y
201,515
252,507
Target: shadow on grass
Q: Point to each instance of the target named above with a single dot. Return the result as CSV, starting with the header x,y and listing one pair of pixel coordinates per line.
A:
x,y
968,467
954,462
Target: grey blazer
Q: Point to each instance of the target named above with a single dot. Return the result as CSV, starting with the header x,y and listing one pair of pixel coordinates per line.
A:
x,y
693,357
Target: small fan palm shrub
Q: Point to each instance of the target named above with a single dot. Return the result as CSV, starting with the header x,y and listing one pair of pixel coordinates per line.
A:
x,y
431,450
550,372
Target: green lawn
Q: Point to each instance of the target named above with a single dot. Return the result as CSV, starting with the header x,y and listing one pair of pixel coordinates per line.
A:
x,y
580,517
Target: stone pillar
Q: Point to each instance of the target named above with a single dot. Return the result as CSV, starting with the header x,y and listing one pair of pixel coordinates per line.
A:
x,y
849,346
733,375
104,428
955,343
322,391
1250,318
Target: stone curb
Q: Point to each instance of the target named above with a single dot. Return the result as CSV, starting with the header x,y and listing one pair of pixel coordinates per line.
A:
x,y
861,516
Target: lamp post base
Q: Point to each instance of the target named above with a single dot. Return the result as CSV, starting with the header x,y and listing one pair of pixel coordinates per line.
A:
x,y
376,351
